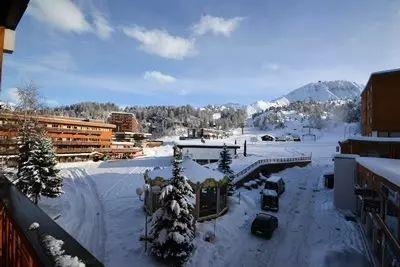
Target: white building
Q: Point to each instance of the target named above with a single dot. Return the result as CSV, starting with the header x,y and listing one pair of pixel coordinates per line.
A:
x,y
206,151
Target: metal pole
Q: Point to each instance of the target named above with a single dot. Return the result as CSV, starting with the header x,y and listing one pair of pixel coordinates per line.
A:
x,y
145,235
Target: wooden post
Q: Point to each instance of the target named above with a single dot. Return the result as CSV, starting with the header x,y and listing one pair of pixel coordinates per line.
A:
x,y
2,33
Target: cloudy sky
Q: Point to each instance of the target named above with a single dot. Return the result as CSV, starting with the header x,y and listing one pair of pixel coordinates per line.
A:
x,y
197,52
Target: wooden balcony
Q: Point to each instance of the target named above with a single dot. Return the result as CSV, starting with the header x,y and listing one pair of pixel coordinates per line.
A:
x,y
20,246
72,131
76,143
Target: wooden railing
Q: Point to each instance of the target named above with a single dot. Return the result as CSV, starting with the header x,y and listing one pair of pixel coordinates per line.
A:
x,y
20,245
243,173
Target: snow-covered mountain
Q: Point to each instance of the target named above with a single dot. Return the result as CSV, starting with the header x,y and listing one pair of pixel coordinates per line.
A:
x,y
325,91
262,105
319,92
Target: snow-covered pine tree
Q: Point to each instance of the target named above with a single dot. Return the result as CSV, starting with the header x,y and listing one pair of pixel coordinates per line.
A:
x,y
47,169
172,227
225,161
36,174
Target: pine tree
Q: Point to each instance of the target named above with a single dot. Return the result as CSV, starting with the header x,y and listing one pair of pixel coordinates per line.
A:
x,y
172,228
47,169
225,160
36,174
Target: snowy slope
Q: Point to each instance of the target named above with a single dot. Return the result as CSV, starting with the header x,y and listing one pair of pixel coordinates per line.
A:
x,y
319,92
262,105
326,90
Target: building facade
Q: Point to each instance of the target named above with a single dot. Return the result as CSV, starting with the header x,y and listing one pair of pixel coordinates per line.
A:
x,y
72,138
205,153
124,122
378,207
379,105
375,169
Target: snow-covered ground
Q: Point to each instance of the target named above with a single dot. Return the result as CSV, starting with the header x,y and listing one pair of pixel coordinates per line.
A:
x,y
100,208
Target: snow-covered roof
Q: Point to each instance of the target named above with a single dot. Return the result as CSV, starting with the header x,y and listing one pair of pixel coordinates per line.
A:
x,y
274,178
387,168
268,192
207,143
191,169
374,139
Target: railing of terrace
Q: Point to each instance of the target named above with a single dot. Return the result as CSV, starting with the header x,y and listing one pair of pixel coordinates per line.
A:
x,y
241,174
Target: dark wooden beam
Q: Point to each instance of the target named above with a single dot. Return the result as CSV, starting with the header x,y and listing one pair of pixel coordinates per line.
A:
x,y
2,32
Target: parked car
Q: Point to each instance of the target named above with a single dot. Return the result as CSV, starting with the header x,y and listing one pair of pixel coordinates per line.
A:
x,y
269,200
264,225
247,185
275,183
253,184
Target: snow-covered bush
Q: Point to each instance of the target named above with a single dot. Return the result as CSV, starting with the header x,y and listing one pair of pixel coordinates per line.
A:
x,y
172,227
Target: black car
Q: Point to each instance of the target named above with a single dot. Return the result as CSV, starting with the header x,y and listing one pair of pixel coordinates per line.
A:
x,y
264,225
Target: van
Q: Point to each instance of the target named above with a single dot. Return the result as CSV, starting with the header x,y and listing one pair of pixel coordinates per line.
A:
x,y
275,183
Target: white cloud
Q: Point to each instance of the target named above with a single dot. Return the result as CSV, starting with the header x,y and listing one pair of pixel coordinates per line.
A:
x,y
10,95
158,77
216,25
161,43
60,60
63,15
101,26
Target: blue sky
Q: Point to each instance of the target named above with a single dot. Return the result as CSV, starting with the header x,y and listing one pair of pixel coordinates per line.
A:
x,y
197,52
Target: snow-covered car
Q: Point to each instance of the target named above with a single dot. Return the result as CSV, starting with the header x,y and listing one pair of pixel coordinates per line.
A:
x,y
264,225
269,200
258,181
247,185
253,184
275,183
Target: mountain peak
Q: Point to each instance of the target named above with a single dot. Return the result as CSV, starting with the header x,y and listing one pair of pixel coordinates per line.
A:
x,y
325,91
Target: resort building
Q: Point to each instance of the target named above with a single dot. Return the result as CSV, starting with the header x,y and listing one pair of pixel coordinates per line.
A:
x,y
367,172
124,122
73,139
380,105
205,151
210,188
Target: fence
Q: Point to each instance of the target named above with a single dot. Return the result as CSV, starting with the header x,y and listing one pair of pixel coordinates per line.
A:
x,y
243,173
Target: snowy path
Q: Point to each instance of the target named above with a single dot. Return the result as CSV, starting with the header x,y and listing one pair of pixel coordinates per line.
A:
x,y
309,231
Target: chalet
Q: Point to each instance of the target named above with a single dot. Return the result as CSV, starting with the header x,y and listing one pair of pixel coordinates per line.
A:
x,y
210,188
205,151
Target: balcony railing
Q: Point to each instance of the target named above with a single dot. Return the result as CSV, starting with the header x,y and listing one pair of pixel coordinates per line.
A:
x,y
72,131
20,245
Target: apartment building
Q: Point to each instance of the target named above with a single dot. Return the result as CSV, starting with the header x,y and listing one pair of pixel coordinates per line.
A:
x,y
380,105
367,172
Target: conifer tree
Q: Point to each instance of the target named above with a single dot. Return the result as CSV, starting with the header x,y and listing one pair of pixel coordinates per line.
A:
x,y
225,161
36,174
172,228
